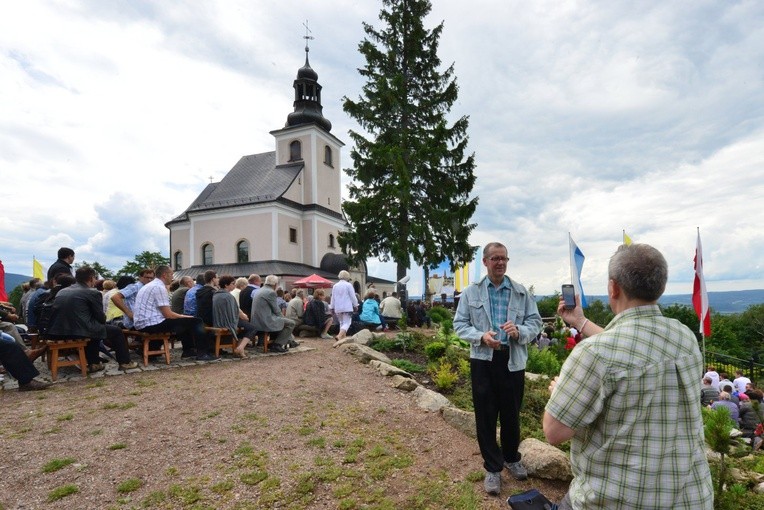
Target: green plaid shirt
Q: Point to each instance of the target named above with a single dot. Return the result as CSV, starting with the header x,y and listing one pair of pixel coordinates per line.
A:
x,y
631,395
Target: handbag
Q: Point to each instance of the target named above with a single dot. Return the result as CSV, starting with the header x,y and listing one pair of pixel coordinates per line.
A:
x,y
530,500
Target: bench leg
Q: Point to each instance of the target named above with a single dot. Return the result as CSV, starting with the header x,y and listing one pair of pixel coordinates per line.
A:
x,y
83,361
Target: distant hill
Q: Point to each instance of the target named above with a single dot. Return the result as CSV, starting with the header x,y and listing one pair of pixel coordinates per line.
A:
x,y
13,280
734,301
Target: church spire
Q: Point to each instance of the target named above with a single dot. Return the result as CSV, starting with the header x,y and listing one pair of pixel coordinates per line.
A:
x,y
307,94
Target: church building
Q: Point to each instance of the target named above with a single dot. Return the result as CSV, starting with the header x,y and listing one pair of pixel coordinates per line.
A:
x,y
276,212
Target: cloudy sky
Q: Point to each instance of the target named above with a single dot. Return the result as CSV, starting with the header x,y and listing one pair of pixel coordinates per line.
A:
x,y
585,117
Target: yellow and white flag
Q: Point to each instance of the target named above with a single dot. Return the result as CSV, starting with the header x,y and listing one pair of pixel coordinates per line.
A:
x,y
37,270
626,239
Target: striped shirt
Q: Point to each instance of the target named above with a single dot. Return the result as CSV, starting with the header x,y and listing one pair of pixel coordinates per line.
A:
x,y
635,446
151,296
499,298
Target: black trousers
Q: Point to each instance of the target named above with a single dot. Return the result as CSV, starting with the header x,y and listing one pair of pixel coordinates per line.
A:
x,y
497,393
116,340
16,362
190,332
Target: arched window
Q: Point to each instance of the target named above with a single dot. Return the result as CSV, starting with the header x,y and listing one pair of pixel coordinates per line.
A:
x,y
295,151
207,254
328,156
178,260
242,251
331,240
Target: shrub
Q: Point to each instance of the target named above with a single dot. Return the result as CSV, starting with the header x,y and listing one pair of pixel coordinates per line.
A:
x,y
438,314
543,362
434,350
444,376
408,366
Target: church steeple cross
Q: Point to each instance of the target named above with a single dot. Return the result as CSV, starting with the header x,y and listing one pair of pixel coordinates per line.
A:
x,y
307,36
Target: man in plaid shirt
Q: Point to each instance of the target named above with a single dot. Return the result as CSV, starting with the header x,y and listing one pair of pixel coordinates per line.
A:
x,y
629,448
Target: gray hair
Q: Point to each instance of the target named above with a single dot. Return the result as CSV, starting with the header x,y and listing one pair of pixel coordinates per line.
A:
x,y
490,246
640,270
241,283
272,280
344,275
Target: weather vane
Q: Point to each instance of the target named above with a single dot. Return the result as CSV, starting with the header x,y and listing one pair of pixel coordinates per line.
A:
x,y
307,35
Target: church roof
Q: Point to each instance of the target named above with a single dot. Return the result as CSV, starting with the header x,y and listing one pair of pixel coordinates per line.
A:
x,y
263,268
254,179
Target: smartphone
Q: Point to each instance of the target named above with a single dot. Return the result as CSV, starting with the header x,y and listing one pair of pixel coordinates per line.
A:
x,y
569,296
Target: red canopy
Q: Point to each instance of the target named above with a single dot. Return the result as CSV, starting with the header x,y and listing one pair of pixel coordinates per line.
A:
x,y
314,282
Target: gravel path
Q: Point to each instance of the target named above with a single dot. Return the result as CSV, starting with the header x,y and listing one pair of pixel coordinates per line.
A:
x,y
313,428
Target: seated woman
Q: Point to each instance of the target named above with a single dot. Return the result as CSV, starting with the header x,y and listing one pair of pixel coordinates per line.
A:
x,y
227,314
370,311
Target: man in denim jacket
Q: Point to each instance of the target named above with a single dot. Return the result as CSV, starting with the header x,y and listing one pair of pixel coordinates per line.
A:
x,y
498,316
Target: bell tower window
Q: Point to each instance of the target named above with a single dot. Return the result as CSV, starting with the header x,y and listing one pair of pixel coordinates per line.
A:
x,y
295,151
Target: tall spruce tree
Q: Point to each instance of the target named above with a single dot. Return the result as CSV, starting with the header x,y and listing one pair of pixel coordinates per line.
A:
x,y
411,178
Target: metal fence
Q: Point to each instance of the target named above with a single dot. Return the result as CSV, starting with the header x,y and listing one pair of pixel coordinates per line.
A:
x,y
729,364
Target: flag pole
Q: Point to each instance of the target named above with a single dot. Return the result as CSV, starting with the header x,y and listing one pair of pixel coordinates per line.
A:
x,y
702,333
570,268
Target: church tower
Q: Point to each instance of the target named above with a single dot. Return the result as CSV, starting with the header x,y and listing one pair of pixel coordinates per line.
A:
x,y
306,138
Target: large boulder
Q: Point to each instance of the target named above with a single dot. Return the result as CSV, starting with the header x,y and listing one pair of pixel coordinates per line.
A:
x,y
364,353
363,337
430,400
461,420
403,383
543,460
387,369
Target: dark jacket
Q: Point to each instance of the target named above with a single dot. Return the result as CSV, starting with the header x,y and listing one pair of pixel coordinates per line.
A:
x,y
204,304
78,312
59,267
315,314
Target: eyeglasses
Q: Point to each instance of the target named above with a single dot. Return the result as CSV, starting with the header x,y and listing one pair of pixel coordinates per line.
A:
x,y
496,258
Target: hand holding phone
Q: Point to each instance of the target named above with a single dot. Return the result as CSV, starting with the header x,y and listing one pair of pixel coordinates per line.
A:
x,y
569,296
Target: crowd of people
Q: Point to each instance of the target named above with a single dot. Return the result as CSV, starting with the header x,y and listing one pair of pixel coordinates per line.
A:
x,y
737,397
75,304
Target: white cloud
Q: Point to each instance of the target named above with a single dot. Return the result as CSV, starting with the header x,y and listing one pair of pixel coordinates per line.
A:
x,y
585,117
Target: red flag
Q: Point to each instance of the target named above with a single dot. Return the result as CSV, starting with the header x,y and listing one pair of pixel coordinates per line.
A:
x,y
3,295
699,294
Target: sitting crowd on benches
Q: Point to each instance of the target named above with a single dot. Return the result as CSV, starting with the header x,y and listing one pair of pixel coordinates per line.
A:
x,y
116,316
740,397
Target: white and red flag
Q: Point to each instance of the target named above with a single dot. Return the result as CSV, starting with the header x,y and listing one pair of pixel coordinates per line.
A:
x,y
699,294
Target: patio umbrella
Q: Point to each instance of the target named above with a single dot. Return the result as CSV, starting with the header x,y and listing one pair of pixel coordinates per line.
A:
x,y
313,282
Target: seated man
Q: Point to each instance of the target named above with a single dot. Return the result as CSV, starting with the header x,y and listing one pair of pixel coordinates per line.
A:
x,y
77,312
154,315
179,296
296,309
17,364
125,298
266,315
391,309
189,301
316,318
226,314
204,298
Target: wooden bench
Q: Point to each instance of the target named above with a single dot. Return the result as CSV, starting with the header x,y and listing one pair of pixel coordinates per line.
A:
x,y
58,351
224,339
146,339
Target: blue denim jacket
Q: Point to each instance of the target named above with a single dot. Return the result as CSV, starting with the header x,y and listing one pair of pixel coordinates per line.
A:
x,y
473,319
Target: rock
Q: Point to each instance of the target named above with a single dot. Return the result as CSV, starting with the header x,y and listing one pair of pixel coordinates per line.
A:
x,y
535,377
387,369
404,383
460,420
342,342
430,400
363,337
543,460
759,489
364,353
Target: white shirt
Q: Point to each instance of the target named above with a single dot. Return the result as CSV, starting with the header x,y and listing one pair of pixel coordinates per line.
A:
x,y
740,383
147,302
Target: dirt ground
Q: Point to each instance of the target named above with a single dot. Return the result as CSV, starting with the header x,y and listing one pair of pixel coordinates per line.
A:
x,y
309,429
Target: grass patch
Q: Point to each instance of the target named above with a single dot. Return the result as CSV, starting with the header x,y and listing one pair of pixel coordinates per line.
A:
x,y
211,414
154,499
65,417
121,405
145,383
187,495
129,485
253,477
222,487
62,492
408,366
56,464
318,442
118,446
